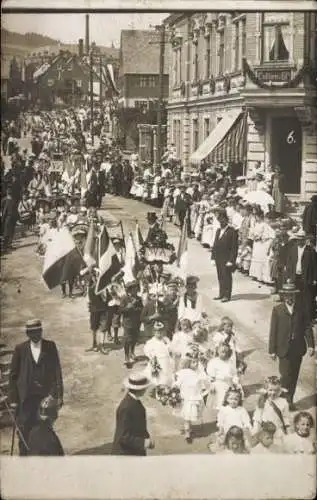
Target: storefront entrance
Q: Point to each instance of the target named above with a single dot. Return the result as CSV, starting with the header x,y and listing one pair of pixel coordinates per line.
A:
x,y
286,151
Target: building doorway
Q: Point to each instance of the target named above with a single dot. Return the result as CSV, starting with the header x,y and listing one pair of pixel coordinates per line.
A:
x,y
286,151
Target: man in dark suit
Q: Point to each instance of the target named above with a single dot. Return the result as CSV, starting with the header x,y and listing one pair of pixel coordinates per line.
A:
x,y
131,435
9,216
290,335
301,268
154,227
182,208
224,252
35,373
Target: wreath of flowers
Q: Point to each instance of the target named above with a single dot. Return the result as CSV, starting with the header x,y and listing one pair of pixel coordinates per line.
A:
x,y
158,249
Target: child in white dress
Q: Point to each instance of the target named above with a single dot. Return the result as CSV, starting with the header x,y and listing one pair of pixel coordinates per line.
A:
x,y
222,374
302,440
272,407
233,413
226,334
160,367
190,303
192,385
181,340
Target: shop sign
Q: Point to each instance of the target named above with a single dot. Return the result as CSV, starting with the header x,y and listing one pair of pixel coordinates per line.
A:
x,y
274,75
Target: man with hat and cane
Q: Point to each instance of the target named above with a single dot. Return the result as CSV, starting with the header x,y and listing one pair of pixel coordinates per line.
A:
x,y
35,373
131,435
291,336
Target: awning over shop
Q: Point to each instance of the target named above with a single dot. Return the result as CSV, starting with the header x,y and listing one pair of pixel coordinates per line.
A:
x,y
227,142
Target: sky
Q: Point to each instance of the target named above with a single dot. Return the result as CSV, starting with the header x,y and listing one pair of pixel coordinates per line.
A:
x,y
68,28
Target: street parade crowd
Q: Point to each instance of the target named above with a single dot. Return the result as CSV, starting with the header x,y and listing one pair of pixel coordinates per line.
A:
x,y
136,292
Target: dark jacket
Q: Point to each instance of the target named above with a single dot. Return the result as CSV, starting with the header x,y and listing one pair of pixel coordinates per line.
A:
x,y
131,430
309,263
153,231
26,375
284,326
182,203
43,441
131,310
310,218
225,249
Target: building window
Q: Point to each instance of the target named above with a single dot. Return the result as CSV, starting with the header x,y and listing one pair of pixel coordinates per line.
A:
x,y
143,82
243,38
207,65
221,52
152,81
141,105
276,40
236,46
195,63
206,127
195,134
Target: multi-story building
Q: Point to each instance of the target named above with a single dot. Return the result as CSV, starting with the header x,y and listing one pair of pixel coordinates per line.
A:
x,y
139,83
139,69
243,89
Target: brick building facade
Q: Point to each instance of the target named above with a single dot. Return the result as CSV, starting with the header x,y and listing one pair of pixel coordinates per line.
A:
x,y
256,67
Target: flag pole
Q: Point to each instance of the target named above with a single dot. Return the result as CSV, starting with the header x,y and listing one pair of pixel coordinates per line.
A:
x,y
123,238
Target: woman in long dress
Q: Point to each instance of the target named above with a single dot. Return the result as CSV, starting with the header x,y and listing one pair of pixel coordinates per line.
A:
x,y
278,190
258,249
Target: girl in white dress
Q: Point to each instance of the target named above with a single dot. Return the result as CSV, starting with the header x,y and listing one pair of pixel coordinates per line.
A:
x,y
226,334
222,374
267,239
192,385
181,341
233,413
158,351
303,439
272,407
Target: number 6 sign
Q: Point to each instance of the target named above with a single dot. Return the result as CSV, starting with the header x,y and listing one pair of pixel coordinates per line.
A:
x,y
291,137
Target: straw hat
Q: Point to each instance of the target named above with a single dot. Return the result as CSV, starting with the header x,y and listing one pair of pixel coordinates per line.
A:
x,y
288,288
137,382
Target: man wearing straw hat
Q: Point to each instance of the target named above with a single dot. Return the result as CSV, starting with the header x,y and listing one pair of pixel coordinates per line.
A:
x,y
131,436
35,373
291,336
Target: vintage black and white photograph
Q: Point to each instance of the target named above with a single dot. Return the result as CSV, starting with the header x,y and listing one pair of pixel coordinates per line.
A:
x,y
158,236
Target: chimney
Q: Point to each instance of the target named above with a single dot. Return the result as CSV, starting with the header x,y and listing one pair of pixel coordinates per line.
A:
x,y
87,34
81,47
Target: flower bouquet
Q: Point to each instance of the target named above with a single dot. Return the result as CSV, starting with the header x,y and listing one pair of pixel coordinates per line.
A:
x,y
155,367
174,398
162,394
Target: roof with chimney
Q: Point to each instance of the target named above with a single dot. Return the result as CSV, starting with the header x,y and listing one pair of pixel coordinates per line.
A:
x,y
139,52
110,52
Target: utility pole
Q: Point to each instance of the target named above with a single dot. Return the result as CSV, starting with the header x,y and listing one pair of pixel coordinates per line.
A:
x,y
91,75
100,77
161,94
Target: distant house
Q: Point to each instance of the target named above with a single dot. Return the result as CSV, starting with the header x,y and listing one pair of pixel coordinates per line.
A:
x,y
139,69
139,85
68,77
5,77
